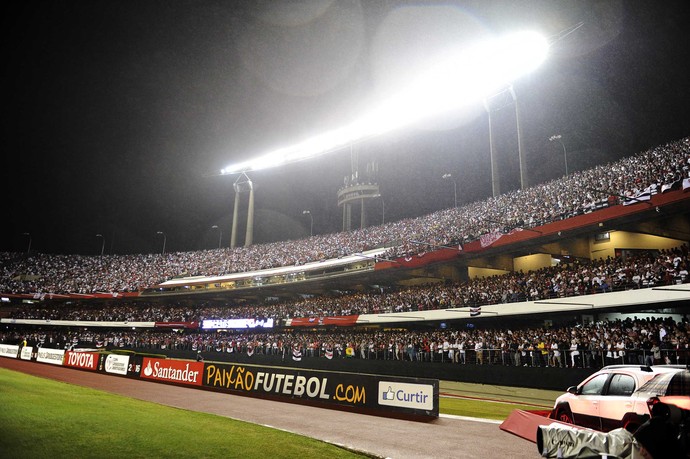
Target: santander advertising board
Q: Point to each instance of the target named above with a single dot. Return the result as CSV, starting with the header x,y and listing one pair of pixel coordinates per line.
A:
x,y
174,371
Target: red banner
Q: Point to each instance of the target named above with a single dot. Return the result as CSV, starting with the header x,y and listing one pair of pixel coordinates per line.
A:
x,y
176,371
341,321
83,360
176,325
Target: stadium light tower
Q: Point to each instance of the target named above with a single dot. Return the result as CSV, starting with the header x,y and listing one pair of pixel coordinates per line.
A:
x,y
455,187
28,249
220,234
103,244
495,103
164,240
463,76
559,138
242,184
311,217
383,207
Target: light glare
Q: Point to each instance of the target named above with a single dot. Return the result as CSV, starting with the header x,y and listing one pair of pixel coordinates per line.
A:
x,y
461,78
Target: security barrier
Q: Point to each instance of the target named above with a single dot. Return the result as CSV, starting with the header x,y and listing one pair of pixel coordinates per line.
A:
x,y
414,398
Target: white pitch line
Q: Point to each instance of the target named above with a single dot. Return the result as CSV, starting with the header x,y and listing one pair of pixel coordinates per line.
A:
x,y
505,402
468,418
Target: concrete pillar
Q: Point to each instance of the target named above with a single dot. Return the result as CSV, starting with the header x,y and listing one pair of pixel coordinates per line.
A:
x,y
233,235
520,139
347,217
495,185
363,216
248,239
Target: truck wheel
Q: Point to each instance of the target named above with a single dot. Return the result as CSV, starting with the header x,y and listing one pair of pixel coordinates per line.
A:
x,y
563,414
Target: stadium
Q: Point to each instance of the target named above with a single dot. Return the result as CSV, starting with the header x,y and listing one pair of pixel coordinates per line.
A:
x,y
550,319
534,288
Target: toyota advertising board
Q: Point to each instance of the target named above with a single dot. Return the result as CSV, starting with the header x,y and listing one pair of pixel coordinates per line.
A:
x,y
367,393
82,360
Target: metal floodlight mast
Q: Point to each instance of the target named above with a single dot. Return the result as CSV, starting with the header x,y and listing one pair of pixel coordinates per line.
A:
x,y
164,240
455,187
383,208
103,244
559,138
311,218
242,184
220,234
464,76
28,249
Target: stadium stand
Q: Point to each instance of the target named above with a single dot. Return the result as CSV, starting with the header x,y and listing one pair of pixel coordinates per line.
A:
x,y
628,181
32,313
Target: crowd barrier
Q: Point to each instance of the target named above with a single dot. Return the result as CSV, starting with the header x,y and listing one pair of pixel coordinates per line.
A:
x,y
564,358
405,397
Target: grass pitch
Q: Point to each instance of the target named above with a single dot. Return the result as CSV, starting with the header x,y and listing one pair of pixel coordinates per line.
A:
x,y
45,418
41,418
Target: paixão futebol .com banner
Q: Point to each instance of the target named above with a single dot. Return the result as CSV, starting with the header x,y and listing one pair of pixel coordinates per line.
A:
x,y
383,394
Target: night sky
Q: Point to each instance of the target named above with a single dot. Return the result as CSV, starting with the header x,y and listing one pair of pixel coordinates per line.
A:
x,y
120,113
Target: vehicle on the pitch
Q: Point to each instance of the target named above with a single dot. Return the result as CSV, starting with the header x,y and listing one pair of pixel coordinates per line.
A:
x,y
607,399
675,383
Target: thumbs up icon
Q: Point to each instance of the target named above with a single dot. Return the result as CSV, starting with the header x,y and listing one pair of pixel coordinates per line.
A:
x,y
389,394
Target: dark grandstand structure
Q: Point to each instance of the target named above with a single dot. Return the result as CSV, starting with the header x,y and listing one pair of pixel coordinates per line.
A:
x,y
565,276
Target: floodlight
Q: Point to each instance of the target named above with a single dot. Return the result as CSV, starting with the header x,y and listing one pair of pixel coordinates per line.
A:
x,y
462,77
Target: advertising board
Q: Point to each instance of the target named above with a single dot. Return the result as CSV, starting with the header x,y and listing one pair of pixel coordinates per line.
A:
x,y
82,360
9,350
52,356
175,371
115,364
26,353
406,395
237,323
411,396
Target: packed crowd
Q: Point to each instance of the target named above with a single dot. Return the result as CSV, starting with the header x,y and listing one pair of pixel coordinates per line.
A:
x,y
646,270
632,341
650,172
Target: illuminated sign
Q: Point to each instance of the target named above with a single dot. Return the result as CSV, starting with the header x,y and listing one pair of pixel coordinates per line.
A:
x,y
237,323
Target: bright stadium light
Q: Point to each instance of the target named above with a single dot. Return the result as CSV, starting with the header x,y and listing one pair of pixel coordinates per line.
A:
x,y
461,78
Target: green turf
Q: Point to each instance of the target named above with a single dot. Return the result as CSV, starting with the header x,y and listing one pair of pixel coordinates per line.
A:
x,y
43,418
520,395
480,409
491,402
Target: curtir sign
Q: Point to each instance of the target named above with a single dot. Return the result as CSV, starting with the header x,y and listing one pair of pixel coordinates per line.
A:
x,y
406,395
